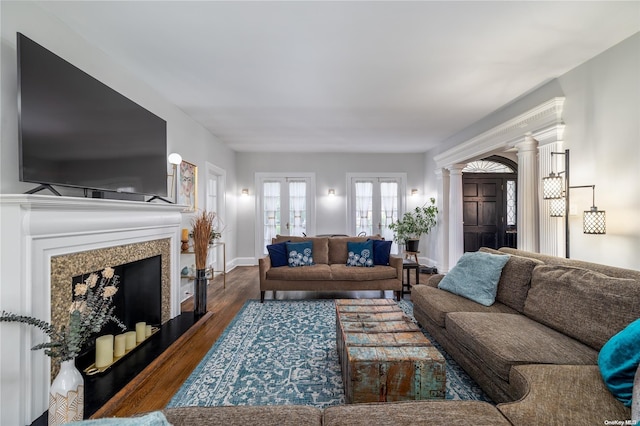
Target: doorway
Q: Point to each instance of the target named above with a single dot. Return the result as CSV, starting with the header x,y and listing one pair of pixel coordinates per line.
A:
x,y
489,204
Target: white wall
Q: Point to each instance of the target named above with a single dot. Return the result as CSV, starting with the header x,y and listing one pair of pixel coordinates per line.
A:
x,y
330,172
601,113
196,144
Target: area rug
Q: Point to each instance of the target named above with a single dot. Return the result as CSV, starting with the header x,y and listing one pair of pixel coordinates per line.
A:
x,y
284,352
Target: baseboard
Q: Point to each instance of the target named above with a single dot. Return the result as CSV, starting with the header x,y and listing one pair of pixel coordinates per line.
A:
x,y
242,261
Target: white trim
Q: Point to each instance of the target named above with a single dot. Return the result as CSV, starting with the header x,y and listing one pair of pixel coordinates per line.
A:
x,y
543,122
35,228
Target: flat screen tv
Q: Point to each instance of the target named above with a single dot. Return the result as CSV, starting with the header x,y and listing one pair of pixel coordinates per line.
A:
x,y
75,131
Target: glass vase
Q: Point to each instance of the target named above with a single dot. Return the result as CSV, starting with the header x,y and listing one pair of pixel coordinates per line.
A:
x,y
200,292
66,395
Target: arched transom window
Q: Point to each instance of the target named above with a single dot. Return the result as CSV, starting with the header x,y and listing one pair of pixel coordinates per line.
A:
x,y
486,166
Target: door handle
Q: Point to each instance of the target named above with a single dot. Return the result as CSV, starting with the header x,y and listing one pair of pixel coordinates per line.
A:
x,y
287,226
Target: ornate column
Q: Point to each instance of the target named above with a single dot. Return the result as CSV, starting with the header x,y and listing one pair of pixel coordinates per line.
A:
x,y
527,215
552,236
442,235
456,231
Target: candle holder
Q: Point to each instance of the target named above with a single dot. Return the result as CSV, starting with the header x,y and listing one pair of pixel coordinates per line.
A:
x,y
93,369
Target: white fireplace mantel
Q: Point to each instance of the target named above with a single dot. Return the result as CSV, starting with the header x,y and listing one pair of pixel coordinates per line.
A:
x,y
34,228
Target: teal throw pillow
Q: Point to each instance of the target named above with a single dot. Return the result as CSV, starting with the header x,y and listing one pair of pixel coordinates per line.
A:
x,y
618,361
475,277
300,254
360,254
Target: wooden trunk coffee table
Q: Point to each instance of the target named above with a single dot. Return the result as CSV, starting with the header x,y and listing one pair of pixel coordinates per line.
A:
x,y
384,356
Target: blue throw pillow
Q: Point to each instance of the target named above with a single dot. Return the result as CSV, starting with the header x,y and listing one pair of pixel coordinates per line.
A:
x,y
360,254
278,254
381,252
475,277
300,254
618,361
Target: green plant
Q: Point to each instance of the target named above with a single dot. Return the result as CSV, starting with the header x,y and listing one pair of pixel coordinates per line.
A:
x,y
414,223
91,309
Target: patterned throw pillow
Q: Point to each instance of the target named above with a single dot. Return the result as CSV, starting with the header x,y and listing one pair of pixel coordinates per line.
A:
x,y
360,254
300,254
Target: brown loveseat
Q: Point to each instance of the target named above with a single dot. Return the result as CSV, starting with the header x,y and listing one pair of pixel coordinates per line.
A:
x,y
330,272
535,349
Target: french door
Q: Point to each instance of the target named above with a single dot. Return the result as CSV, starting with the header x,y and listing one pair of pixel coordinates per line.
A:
x,y
286,207
375,203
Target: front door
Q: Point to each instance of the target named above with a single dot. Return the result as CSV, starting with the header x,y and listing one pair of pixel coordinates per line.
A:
x,y
483,213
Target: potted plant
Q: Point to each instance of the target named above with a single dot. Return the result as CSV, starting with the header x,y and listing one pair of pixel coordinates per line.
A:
x,y
408,229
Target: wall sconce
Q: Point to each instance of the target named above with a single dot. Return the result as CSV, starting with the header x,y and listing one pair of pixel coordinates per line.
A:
x,y
554,189
414,192
245,192
174,160
332,192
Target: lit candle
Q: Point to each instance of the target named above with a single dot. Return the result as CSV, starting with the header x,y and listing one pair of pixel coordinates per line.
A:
x,y
185,234
141,329
119,345
147,331
104,350
130,340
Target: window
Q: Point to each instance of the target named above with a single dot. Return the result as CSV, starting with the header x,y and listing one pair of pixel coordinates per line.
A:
x,y
486,166
215,202
511,203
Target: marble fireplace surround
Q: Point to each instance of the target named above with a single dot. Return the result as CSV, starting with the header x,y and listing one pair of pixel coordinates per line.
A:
x,y
45,241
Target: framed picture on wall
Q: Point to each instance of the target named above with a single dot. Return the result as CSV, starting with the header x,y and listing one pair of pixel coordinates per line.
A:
x,y
188,185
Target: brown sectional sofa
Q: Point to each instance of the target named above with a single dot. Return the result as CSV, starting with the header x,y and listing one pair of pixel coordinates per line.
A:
x,y
330,272
535,349
385,414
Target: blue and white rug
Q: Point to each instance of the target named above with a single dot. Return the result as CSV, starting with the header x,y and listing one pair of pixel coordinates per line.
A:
x,y
284,352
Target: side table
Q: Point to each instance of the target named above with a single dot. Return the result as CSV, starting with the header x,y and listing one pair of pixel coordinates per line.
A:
x,y
408,265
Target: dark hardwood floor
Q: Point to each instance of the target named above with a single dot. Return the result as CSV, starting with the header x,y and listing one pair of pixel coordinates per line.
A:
x,y
154,387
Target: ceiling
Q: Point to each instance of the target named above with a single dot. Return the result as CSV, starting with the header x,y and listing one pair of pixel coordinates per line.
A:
x,y
346,76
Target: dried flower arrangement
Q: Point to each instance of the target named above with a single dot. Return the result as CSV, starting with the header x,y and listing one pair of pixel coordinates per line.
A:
x,y
202,226
91,309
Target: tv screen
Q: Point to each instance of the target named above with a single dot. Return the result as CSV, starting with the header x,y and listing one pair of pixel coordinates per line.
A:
x,y
76,131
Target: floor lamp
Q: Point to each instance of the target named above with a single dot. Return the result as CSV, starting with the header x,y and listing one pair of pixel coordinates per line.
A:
x,y
557,191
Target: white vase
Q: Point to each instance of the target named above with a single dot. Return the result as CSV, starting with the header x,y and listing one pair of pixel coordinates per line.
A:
x,y
66,396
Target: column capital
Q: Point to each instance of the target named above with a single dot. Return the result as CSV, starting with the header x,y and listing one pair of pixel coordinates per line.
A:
x,y
440,173
456,169
527,145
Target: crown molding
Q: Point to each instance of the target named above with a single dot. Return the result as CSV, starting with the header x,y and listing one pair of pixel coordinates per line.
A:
x,y
541,122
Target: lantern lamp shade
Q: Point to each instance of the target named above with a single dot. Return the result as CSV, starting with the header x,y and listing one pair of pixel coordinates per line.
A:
x,y
594,221
552,187
557,207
